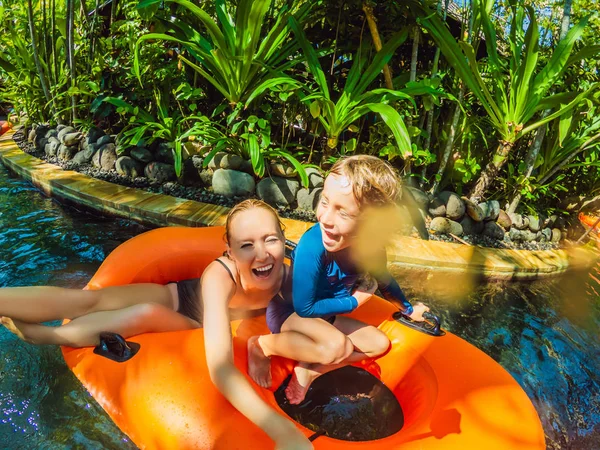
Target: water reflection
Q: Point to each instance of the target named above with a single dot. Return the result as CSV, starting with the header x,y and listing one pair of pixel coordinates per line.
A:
x,y
545,333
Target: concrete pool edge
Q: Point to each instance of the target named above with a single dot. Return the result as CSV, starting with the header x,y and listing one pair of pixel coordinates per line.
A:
x,y
164,210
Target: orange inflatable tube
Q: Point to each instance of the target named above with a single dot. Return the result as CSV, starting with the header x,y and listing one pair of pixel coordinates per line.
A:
x,y
453,396
4,126
589,222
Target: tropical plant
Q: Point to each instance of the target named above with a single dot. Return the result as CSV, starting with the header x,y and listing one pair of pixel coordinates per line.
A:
x,y
514,93
355,101
234,55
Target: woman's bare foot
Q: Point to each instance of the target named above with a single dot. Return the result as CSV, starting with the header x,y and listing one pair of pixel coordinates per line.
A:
x,y
259,364
301,380
16,327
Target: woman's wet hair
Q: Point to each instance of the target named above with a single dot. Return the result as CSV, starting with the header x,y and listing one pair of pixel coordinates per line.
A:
x,y
374,181
246,205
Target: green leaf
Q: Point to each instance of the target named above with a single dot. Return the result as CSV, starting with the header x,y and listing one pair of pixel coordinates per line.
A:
x,y
393,120
351,144
315,109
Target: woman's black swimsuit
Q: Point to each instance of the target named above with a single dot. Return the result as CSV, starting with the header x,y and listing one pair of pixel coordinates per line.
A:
x,y
190,303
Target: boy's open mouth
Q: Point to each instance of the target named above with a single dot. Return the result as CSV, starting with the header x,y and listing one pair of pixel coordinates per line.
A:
x,y
263,272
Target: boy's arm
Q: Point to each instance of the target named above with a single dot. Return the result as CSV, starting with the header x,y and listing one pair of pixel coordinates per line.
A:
x,y
389,287
308,267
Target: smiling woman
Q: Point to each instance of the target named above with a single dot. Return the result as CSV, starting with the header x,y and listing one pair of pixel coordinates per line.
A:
x,y
237,285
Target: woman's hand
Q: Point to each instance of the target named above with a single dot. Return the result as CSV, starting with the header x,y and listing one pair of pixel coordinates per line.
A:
x,y
288,437
365,289
418,310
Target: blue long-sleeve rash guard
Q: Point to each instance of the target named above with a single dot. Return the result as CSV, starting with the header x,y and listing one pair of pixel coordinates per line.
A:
x,y
323,282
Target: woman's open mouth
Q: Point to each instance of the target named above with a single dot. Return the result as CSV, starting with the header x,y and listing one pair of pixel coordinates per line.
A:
x,y
263,272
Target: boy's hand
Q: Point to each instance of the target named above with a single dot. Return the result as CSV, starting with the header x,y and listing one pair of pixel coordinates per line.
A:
x,y
365,289
418,310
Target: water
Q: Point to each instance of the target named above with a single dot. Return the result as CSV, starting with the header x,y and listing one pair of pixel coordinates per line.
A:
x,y
545,333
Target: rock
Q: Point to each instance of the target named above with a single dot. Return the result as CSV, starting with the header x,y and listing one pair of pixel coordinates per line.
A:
x,y
247,167
550,221
231,161
468,225
40,143
85,156
517,221
282,170
32,135
473,210
421,198
437,208
65,152
159,172
440,225
94,134
556,235
534,223
546,235
164,153
492,209
51,133
128,167
71,139
189,173
215,162
104,140
504,220
315,179
232,183
141,154
456,228
59,127
197,161
308,199
515,235
493,230
455,207
205,177
105,157
191,148
51,148
64,131
277,191
528,235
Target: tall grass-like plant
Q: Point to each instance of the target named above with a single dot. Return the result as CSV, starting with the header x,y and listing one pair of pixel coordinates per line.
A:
x,y
516,89
234,54
355,100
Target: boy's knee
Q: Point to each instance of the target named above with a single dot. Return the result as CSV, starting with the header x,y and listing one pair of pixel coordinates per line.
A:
x,y
336,349
379,343
143,312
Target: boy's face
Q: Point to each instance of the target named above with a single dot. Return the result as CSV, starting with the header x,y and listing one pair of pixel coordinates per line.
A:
x,y
337,213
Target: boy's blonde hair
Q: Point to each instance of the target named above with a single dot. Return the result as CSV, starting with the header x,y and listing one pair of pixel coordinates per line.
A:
x,y
374,181
246,205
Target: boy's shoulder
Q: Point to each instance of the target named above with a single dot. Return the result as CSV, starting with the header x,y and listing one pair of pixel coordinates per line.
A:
x,y
312,240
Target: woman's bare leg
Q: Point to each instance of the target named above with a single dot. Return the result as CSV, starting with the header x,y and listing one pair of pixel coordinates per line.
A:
x,y
84,331
42,304
368,341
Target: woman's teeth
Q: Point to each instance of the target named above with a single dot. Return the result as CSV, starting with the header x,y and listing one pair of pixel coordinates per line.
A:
x,y
263,271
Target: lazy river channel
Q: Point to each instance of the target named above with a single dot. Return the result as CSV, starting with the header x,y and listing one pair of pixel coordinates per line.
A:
x,y
545,333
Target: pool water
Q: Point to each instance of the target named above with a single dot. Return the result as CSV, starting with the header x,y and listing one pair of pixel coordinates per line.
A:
x,y
545,333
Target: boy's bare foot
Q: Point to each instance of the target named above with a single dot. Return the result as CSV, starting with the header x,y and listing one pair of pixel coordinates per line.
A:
x,y
301,380
15,327
259,364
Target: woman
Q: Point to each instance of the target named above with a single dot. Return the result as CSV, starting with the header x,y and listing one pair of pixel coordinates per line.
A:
x,y
239,284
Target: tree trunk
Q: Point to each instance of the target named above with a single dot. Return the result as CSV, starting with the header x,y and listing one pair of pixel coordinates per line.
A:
x,y
36,56
491,171
450,142
70,54
566,20
387,73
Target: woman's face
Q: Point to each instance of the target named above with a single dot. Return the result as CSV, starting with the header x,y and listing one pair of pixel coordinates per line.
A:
x,y
337,213
258,247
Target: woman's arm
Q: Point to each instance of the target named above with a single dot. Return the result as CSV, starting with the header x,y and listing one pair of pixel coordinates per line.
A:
x,y
217,289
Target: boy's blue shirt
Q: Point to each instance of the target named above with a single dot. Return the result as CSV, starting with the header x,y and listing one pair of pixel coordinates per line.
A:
x,y
323,282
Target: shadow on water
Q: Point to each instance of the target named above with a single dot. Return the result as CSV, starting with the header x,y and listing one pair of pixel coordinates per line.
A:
x,y
348,404
545,333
